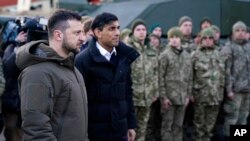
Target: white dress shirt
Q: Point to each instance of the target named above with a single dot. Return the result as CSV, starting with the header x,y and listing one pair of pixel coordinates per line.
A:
x,y
104,52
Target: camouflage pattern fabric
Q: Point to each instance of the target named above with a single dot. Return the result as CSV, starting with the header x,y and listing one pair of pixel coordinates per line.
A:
x,y
175,75
142,115
208,86
145,81
144,74
175,84
204,120
153,131
237,59
172,123
236,111
188,44
208,76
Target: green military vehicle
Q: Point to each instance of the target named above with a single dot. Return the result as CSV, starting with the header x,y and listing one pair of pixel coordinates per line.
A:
x,y
223,13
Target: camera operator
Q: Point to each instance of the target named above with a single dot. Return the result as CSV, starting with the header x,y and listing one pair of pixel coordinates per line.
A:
x,y
10,99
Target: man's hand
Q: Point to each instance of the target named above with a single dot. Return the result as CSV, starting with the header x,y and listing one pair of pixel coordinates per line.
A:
x,y
131,134
230,95
154,98
166,103
187,99
21,37
191,98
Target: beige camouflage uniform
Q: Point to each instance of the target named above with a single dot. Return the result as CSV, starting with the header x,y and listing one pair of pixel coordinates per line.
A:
x,y
208,80
144,79
175,85
188,44
153,131
237,57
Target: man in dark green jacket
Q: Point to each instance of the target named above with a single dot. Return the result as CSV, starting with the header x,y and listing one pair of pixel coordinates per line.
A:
x,y
52,90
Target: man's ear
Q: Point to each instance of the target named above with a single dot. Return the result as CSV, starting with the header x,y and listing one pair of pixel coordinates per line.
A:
x,y
58,35
97,33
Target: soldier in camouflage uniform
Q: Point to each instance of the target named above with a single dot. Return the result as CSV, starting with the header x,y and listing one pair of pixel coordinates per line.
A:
x,y
208,85
237,57
153,132
217,43
175,86
205,23
217,131
144,76
186,26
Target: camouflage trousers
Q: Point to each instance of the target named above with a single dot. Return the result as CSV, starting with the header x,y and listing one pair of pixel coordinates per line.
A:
x,y
204,121
153,131
236,110
172,123
142,115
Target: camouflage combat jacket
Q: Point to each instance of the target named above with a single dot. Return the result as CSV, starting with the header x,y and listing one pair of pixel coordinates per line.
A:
x,y
175,75
144,74
208,76
237,59
188,44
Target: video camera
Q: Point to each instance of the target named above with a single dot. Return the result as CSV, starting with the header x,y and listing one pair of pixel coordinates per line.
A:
x,y
36,29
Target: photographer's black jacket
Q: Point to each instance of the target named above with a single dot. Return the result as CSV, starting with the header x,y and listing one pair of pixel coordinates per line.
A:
x,y
10,98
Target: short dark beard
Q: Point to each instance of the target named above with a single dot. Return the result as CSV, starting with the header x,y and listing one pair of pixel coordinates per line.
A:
x,y
65,45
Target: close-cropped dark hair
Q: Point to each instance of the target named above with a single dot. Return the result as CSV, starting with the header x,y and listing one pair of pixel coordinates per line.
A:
x,y
103,19
58,21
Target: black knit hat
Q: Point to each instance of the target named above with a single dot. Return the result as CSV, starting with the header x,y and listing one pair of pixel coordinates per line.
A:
x,y
206,19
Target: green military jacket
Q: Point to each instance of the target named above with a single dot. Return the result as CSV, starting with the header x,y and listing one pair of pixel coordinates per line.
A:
x,y
175,75
144,74
208,76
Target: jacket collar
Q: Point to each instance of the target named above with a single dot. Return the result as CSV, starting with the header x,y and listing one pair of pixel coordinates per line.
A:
x,y
175,50
187,39
123,50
